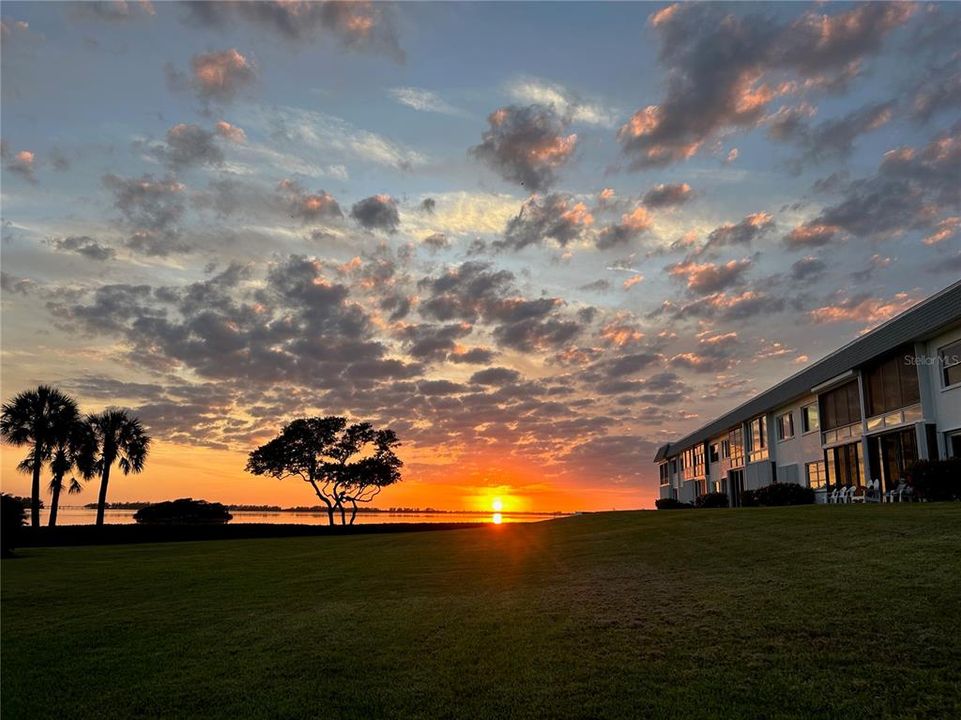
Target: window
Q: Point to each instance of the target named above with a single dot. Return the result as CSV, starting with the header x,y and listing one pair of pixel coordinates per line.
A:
x,y
693,462
725,449
840,406
736,445
758,435
815,474
810,422
715,454
951,364
665,477
953,445
893,384
785,426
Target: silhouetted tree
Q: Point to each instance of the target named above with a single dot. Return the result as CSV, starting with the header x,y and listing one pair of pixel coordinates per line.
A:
x,y
74,449
117,438
30,419
342,463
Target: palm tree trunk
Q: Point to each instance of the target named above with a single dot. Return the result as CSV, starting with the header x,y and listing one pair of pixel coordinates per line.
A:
x,y
35,488
102,499
55,500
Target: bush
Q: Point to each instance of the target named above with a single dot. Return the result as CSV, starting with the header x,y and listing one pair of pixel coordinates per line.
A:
x,y
671,504
936,479
712,500
184,511
13,515
778,494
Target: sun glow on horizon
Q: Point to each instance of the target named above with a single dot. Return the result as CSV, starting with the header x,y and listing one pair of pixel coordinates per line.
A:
x,y
497,505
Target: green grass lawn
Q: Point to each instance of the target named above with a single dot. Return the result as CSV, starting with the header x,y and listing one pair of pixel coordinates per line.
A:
x,y
809,612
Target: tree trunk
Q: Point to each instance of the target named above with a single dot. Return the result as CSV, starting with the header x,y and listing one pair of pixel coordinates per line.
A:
x,y
55,500
35,488
343,514
102,500
353,511
326,501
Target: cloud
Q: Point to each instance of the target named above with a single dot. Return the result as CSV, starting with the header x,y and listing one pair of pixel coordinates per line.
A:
x,y
304,132
716,352
436,241
423,100
113,10
495,376
723,69
21,163
377,212
309,207
152,208
832,138
666,195
475,292
85,246
428,205
231,132
862,309
13,284
807,268
431,342
706,278
556,216
744,232
533,91
632,225
526,145
358,25
944,230
215,76
189,145
911,190
938,91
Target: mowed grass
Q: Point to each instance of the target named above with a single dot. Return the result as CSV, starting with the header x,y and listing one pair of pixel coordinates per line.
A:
x,y
810,612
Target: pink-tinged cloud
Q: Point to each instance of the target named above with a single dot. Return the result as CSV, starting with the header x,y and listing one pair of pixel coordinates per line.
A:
x,y
22,163
231,132
708,277
309,207
632,281
944,230
631,226
527,145
725,69
812,235
869,311
220,75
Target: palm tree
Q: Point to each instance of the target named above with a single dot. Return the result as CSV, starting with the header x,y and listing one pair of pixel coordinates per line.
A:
x,y
117,437
29,419
73,448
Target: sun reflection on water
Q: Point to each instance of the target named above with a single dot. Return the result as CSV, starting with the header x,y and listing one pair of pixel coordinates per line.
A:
x,y
497,518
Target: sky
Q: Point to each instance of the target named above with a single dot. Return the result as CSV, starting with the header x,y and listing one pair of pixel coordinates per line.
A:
x,y
537,240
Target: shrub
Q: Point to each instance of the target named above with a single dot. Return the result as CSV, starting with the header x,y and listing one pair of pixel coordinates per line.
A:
x,y
778,494
13,515
184,511
712,500
671,504
936,479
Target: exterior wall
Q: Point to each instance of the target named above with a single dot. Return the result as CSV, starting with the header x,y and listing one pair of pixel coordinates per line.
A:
x,y
717,471
946,401
803,448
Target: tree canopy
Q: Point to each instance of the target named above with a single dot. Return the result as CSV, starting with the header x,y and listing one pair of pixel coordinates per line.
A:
x,y
344,464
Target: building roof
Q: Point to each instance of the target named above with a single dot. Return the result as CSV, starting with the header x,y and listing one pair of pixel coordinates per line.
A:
x,y
929,317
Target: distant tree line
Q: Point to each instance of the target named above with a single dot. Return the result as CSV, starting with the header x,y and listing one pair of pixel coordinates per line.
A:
x,y
70,447
345,465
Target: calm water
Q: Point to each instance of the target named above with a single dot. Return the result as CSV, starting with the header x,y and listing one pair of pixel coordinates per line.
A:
x,y
84,516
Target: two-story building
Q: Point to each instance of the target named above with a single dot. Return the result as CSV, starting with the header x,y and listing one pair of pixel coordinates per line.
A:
x,y
868,411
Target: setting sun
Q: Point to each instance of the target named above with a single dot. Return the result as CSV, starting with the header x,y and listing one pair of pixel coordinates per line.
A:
x,y
497,505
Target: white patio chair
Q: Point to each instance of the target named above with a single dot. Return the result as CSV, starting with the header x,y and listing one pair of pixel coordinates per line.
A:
x,y
858,494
